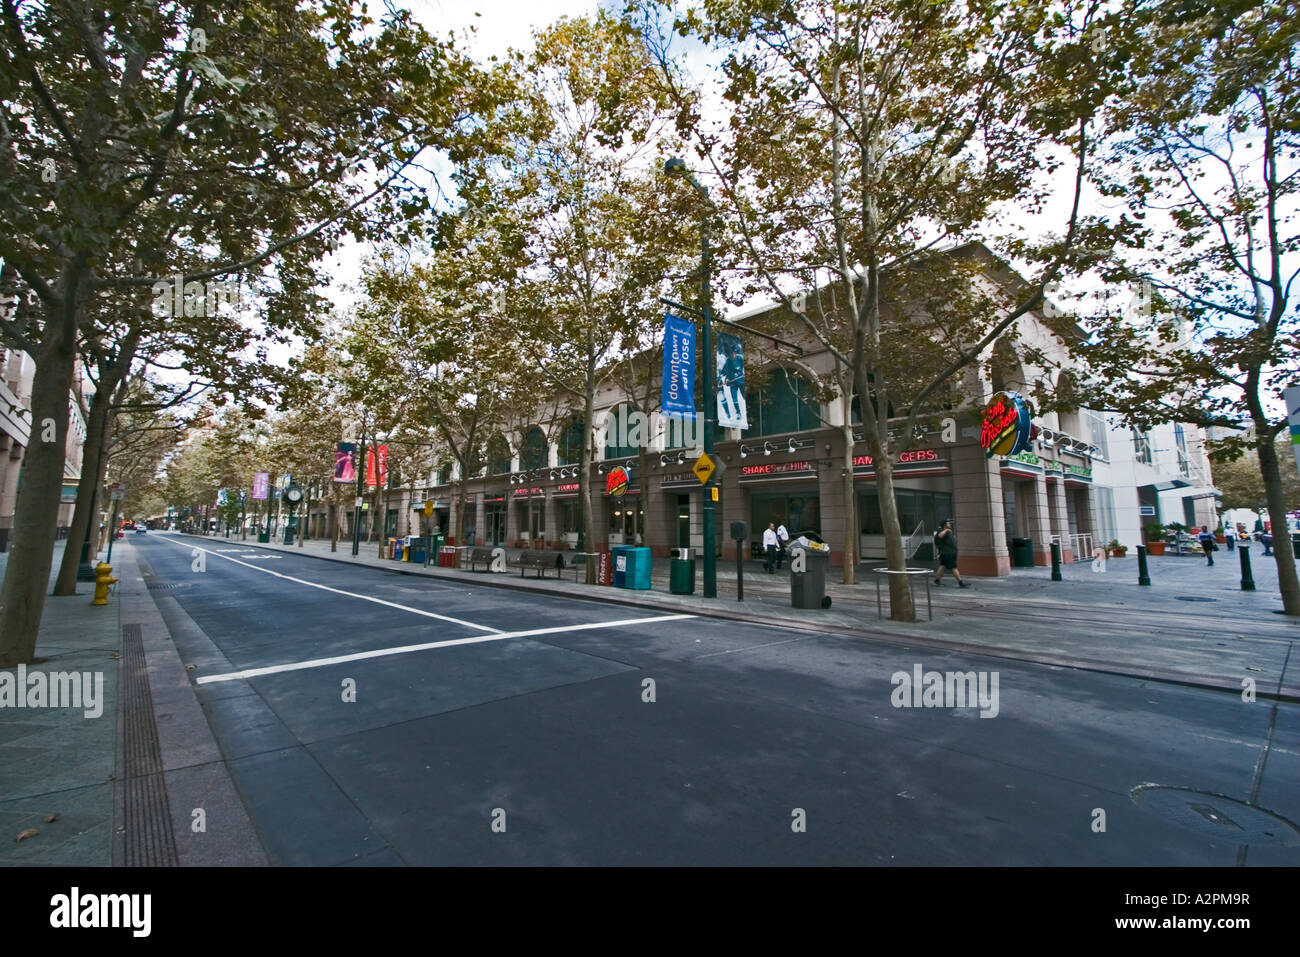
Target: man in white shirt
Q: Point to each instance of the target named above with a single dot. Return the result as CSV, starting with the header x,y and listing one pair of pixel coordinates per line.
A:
x,y
770,545
782,540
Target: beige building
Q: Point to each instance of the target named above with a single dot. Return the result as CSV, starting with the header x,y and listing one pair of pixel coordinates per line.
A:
x,y
16,373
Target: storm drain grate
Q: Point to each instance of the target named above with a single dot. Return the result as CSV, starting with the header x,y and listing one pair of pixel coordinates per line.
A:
x,y
149,841
155,586
1192,598
1217,816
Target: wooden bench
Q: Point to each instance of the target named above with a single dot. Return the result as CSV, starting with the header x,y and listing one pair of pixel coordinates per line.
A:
x,y
539,561
479,556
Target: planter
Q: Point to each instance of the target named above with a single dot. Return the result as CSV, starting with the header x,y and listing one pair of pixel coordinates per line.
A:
x,y
1118,552
1221,539
1155,548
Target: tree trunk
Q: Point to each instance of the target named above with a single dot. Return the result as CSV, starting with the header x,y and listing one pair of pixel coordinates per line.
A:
x,y
851,529
590,539
94,463
1287,581
900,594
36,514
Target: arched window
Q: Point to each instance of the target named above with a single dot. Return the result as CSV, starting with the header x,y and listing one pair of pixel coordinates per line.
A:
x,y
785,403
532,454
570,452
1007,372
498,455
626,426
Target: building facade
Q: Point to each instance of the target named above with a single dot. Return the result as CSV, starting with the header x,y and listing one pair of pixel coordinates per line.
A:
x,y
16,374
1078,485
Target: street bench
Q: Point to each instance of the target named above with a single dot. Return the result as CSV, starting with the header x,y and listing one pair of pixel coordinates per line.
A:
x,y
479,556
540,562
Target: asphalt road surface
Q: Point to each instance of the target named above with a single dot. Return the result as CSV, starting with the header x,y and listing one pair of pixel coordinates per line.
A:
x,y
370,718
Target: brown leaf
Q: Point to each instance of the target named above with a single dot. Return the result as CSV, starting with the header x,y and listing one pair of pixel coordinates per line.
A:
x,y
24,835
189,667
51,818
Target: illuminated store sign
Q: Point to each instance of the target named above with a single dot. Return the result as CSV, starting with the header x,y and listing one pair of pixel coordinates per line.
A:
x,y
1004,429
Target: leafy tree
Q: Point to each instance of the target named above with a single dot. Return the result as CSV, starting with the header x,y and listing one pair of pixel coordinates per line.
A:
x,y
600,234
862,136
138,138
1242,482
1205,136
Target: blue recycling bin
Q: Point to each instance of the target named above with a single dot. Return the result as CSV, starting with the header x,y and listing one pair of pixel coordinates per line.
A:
x,y
619,577
631,567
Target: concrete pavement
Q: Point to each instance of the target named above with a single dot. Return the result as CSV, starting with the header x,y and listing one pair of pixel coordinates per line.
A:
x,y
137,780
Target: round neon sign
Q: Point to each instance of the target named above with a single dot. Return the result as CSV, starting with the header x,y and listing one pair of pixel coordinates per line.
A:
x,y
1004,427
616,482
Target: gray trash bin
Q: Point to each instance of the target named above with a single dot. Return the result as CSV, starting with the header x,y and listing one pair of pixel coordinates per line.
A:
x,y
808,588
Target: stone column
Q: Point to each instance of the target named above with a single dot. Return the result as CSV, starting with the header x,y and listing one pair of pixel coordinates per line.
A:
x,y
1041,527
979,515
1060,519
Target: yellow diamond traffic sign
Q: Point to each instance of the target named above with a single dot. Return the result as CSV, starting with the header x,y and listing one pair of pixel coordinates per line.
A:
x,y
703,468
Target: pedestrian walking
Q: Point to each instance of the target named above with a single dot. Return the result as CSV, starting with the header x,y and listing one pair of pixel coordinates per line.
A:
x,y
1206,538
770,545
1230,537
1266,539
782,542
945,546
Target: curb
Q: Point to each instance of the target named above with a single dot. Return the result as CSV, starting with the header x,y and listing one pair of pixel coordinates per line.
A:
x,y
1289,693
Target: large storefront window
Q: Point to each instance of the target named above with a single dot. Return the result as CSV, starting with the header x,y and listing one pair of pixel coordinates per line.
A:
x,y
915,507
785,403
532,519
798,511
626,522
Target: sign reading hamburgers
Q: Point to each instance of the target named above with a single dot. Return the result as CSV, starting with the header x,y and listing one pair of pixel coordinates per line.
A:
x,y
1004,428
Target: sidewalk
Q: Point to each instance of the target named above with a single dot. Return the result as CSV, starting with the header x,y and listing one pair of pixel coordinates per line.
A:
x,y
1192,625
58,760
122,780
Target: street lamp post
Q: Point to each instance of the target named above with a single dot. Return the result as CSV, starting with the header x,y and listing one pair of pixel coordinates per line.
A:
x,y
677,166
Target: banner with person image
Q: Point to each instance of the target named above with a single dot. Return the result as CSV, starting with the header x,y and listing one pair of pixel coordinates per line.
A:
x,y
732,413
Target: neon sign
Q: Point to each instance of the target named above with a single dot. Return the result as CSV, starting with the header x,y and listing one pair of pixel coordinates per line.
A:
x,y
1004,428
616,482
920,455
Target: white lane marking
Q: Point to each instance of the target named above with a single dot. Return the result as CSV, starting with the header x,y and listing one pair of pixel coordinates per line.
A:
x,y
339,591
407,649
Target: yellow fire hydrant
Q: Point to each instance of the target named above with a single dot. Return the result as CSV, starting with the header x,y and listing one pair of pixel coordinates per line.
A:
x,y
103,578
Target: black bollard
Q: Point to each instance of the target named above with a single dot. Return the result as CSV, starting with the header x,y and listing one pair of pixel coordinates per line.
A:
x,y
1247,580
1056,561
1143,577
740,573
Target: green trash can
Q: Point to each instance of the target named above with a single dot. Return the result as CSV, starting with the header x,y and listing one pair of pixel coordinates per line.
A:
x,y
264,536
1022,552
681,576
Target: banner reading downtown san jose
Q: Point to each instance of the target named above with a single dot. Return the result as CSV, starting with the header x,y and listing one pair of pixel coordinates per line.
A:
x,y
260,484
732,413
679,369
345,467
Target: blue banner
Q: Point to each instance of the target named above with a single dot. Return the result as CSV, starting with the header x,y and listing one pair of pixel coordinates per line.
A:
x,y
732,413
679,369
